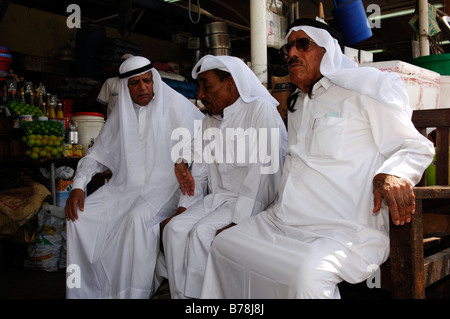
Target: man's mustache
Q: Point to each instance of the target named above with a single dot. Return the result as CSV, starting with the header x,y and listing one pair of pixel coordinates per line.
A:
x,y
294,60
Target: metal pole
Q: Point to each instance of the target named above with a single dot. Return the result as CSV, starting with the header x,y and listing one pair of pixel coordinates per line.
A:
x,y
258,40
423,28
53,182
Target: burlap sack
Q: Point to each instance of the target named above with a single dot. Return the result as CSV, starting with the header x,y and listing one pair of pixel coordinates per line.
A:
x,y
17,207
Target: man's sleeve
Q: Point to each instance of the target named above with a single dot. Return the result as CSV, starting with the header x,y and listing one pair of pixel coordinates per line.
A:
x,y
87,167
200,176
408,153
103,96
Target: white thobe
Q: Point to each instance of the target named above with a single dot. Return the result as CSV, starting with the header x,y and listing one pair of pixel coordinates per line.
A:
x,y
108,94
114,243
226,191
322,229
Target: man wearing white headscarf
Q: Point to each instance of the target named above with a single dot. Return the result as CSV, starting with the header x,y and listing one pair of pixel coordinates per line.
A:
x,y
228,189
353,156
113,235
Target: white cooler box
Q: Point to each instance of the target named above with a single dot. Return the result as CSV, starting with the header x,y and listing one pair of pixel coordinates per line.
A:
x,y
444,95
422,85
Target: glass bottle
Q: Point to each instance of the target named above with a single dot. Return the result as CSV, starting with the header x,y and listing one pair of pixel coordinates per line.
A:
x,y
44,109
59,112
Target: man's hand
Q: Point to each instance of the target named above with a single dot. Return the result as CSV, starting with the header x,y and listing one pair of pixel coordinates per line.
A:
x,y
75,200
399,196
185,179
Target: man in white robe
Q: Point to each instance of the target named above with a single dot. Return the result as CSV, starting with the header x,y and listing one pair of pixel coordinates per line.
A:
x,y
351,144
236,170
113,235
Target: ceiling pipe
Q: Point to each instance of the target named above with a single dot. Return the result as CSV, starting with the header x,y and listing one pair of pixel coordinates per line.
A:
x,y
258,39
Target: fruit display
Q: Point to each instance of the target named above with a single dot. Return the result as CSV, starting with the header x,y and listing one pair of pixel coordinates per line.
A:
x,y
43,146
43,138
43,128
18,108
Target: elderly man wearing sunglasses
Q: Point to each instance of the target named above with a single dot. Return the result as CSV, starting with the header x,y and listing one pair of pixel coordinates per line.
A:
x,y
353,157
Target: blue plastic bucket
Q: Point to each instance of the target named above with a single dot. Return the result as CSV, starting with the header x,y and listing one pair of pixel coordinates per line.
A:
x,y
352,21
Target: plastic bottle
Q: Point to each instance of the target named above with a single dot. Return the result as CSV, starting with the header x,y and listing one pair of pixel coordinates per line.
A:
x,y
72,136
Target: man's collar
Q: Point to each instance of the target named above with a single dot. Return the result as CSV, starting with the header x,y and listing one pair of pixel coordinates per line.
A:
x,y
323,82
230,109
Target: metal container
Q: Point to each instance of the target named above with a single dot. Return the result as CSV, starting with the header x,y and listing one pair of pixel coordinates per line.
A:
x,y
218,40
78,150
221,51
216,27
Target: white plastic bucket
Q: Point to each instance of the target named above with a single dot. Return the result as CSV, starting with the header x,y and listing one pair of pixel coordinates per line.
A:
x,y
89,126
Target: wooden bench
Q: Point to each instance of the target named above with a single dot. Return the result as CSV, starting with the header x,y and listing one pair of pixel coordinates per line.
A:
x,y
416,260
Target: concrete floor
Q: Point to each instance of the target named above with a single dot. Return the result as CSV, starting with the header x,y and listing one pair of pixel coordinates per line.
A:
x,y
28,284
18,283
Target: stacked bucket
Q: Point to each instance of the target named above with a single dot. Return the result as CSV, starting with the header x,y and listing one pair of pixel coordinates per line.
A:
x,y
5,62
217,39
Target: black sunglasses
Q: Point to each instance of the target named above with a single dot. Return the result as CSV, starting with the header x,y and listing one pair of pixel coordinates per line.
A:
x,y
301,44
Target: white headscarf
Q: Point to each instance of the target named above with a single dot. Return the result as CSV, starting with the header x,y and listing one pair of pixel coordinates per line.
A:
x,y
138,152
386,87
248,85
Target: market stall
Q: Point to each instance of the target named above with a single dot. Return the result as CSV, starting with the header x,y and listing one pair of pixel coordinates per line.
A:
x,y
52,72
